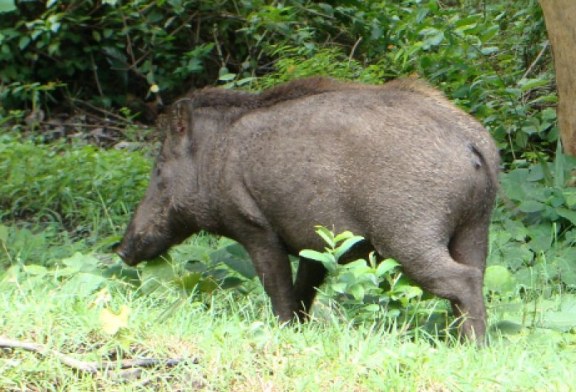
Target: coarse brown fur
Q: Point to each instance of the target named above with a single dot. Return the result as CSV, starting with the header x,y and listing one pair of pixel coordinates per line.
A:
x,y
300,88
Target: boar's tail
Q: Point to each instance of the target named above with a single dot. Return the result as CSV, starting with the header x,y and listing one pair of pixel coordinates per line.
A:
x,y
490,167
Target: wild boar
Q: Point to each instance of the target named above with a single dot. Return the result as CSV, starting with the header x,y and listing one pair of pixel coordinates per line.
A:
x,y
397,164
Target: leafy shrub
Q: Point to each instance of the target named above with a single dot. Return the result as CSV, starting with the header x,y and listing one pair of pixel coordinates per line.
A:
x,y
483,57
492,58
364,289
117,51
535,235
113,50
201,265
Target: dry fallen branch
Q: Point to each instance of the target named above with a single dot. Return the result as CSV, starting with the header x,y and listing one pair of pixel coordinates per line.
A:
x,y
92,367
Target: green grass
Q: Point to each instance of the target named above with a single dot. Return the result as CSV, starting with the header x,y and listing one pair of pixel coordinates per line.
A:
x,y
239,347
84,189
54,290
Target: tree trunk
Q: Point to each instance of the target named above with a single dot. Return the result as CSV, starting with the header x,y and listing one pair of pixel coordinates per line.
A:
x,y
560,18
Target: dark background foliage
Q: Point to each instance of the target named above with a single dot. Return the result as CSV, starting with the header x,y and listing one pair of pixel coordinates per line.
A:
x,y
492,58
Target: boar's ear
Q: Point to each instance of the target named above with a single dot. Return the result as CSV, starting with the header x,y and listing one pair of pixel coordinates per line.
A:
x,y
181,116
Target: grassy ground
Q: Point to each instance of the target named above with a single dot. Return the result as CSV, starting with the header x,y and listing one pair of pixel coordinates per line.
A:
x,y
53,295
233,344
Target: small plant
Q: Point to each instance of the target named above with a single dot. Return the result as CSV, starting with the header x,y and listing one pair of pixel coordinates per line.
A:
x,y
364,288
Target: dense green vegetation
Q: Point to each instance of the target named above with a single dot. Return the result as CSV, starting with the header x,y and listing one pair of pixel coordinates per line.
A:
x,y
64,200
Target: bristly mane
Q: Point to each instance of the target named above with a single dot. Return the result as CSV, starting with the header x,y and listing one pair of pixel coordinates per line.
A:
x,y
214,97
219,97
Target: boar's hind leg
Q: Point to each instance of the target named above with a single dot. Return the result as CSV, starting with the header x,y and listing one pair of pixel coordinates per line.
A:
x,y
436,271
310,276
469,246
273,268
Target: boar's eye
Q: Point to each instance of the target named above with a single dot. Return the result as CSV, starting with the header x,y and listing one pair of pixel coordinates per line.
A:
x,y
161,185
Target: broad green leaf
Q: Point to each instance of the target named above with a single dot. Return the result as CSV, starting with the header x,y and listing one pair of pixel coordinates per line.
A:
x,y
526,277
570,197
531,206
7,5
339,287
227,77
346,245
405,287
515,256
506,327
157,273
82,284
24,42
189,282
326,235
568,214
498,279
412,291
119,271
539,172
347,277
386,266
567,268
326,259
357,267
489,50
243,266
357,291
563,319
514,229
372,308
81,262
236,258
541,238
529,84
207,286
231,282
343,236
35,269
513,182
112,322
433,37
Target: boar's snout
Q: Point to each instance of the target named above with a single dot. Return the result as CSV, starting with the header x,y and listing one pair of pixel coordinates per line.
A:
x,y
126,253
136,248
147,239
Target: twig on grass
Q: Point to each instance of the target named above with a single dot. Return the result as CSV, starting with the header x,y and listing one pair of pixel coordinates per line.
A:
x,y
118,118
93,367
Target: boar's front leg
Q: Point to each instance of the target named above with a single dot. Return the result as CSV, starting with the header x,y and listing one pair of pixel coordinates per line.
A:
x,y
309,277
273,268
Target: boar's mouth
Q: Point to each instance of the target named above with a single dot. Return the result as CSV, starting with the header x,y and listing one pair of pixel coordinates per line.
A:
x,y
133,249
127,258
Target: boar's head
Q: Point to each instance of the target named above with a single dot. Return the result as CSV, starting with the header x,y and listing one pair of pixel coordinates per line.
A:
x,y
164,217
